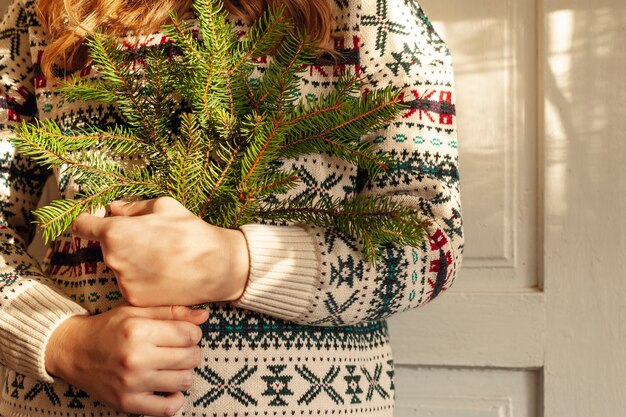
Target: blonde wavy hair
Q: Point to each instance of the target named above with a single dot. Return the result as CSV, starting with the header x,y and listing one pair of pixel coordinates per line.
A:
x,y
69,22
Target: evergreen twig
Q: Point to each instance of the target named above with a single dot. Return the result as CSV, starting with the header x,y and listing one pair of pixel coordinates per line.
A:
x,y
221,157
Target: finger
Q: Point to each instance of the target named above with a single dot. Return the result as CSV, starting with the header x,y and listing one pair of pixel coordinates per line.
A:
x,y
179,313
173,359
132,208
197,316
155,405
162,359
89,227
174,334
168,380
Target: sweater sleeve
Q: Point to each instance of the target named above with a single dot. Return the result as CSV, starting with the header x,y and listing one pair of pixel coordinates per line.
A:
x,y
29,308
317,276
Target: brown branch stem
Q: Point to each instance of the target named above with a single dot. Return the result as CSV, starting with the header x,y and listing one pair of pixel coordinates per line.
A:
x,y
205,206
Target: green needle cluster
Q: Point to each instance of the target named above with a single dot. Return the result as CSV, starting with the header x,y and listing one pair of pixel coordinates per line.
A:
x,y
220,157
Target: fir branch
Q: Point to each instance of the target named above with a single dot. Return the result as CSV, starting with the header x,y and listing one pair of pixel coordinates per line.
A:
x,y
118,139
286,81
192,63
334,211
250,198
179,34
321,135
280,81
219,181
342,138
263,36
230,93
186,169
257,154
277,185
51,154
217,38
206,103
56,217
236,221
78,88
159,95
309,115
214,26
347,85
376,220
251,95
223,157
113,65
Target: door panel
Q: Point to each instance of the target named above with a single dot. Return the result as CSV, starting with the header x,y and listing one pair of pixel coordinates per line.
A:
x,y
494,316
504,330
493,46
439,392
536,323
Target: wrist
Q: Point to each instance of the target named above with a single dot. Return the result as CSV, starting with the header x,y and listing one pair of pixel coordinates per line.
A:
x,y
238,260
60,353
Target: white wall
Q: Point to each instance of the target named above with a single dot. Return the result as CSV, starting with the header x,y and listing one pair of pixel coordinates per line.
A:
x,y
536,323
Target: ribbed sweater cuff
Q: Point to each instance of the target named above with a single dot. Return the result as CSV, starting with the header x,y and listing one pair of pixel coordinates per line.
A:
x,y
284,270
26,325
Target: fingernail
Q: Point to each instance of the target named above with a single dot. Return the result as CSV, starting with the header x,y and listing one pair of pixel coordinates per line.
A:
x,y
117,203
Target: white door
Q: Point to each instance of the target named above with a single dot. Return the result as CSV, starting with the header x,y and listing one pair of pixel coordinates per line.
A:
x,y
535,324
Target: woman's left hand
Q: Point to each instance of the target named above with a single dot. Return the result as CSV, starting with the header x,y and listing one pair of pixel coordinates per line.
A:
x,y
162,254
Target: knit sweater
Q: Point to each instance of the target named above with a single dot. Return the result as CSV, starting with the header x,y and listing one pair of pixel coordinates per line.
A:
x,y
308,336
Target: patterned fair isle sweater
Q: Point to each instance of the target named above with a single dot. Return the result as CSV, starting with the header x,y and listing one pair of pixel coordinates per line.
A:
x,y
309,335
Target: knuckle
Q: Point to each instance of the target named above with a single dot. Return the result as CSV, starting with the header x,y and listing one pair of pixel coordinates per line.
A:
x,y
161,202
196,356
194,334
190,335
126,381
127,311
126,330
130,296
170,410
165,202
124,401
173,405
110,259
132,330
198,337
128,362
109,233
186,380
75,227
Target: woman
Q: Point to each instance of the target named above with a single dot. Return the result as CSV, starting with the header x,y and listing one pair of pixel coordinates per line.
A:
x,y
297,320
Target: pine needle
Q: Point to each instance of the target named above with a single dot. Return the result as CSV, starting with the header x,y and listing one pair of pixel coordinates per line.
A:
x,y
197,129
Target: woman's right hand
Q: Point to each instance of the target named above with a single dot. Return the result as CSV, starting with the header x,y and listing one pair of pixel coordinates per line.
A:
x,y
122,357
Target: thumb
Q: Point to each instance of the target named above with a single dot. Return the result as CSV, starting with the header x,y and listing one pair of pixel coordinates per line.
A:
x,y
88,226
180,313
131,208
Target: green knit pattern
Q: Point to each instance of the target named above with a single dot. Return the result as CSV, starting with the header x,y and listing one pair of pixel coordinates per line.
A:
x,y
324,350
